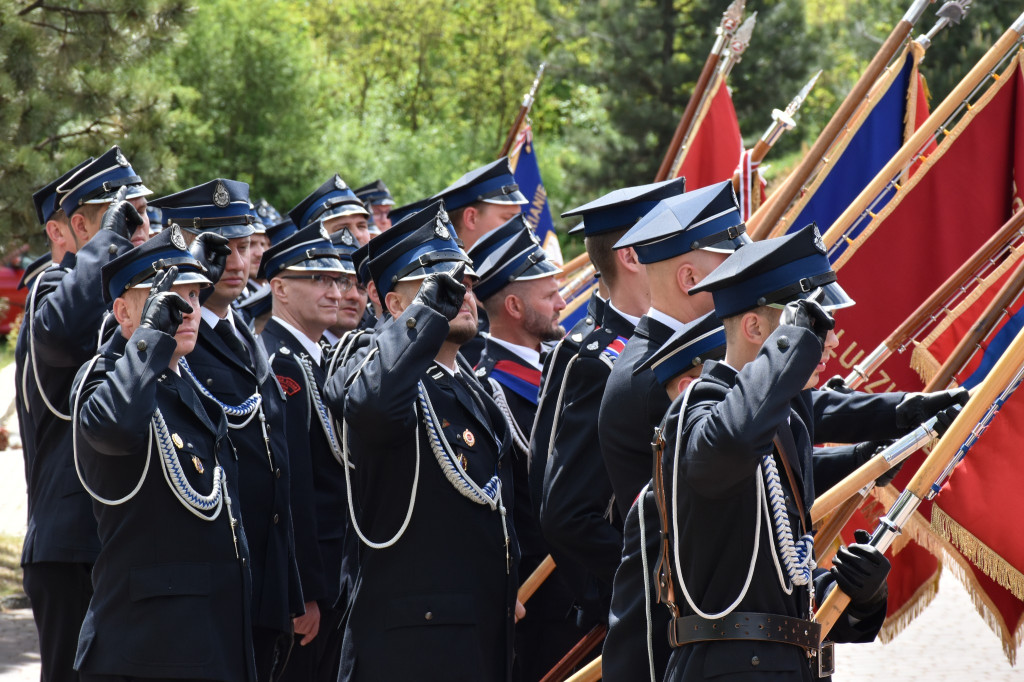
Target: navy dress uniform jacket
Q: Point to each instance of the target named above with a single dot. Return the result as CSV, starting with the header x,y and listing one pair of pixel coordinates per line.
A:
x,y
552,373
630,409
262,468
728,426
171,590
438,603
319,502
578,514
62,333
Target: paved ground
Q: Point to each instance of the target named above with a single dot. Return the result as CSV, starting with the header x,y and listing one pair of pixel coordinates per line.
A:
x,y
949,642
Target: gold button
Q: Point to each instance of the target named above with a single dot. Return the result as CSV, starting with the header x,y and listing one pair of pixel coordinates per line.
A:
x,y
428,615
411,322
141,345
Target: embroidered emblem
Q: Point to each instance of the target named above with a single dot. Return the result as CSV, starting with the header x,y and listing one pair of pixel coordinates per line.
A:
x,y
288,385
346,238
197,464
440,229
339,183
592,345
176,439
177,239
468,438
284,350
221,198
577,337
818,243
119,157
481,372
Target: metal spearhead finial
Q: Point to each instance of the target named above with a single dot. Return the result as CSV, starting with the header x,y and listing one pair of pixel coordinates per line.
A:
x,y
741,39
794,105
732,16
951,13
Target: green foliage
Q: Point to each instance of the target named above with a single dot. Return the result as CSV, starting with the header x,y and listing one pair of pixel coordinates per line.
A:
x,y
283,93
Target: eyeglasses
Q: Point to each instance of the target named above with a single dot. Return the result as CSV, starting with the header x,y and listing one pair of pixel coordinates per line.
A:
x,y
343,282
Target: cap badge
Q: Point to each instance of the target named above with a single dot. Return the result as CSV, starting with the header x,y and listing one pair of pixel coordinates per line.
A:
x,y
197,464
221,198
339,183
176,439
323,232
119,157
818,243
346,238
440,229
177,240
468,438
262,211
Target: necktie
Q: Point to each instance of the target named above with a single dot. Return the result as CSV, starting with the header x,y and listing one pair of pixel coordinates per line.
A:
x,y
227,333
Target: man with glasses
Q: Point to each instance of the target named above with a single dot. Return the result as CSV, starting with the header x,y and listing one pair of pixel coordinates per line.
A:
x,y
306,275
352,306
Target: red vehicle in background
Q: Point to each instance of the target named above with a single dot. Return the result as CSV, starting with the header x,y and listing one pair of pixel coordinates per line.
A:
x,y
11,271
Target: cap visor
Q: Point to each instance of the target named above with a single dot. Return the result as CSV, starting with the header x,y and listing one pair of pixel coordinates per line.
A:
x,y
512,198
444,266
134,192
729,245
227,231
832,297
184,277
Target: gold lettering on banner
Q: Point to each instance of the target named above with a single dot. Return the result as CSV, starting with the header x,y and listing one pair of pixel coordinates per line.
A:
x,y
870,388
847,364
540,197
883,380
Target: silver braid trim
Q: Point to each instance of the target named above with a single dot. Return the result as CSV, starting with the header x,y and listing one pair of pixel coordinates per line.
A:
x,y
321,412
247,409
518,438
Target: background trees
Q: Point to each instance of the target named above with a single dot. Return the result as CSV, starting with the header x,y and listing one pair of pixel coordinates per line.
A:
x,y
283,93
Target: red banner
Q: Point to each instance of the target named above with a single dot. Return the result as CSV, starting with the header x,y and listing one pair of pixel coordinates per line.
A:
x,y
716,144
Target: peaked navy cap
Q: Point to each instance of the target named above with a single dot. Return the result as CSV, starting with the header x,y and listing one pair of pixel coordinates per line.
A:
x,y
98,182
515,256
333,198
34,269
492,184
375,194
220,206
693,345
361,263
399,214
257,303
46,199
307,250
280,231
420,245
622,208
345,244
136,268
266,216
775,272
707,218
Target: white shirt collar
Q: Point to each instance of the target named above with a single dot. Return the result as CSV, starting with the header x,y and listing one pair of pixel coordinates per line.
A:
x,y
629,318
666,319
331,337
311,346
531,356
211,318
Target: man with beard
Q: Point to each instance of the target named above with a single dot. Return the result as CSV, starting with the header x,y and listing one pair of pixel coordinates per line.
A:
x,y
432,475
518,289
305,275
231,368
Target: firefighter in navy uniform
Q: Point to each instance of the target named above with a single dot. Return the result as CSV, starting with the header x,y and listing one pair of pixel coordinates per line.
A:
x,y
307,276
747,429
171,582
377,197
231,367
432,476
679,242
518,289
87,224
578,516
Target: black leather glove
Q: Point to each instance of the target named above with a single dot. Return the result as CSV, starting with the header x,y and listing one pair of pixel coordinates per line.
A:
x,y
443,291
944,419
867,450
164,309
212,251
121,218
917,408
810,315
860,571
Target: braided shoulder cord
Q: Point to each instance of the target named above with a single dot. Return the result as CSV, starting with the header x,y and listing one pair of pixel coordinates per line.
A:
x,y
189,497
247,409
647,580
29,314
798,556
321,411
518,439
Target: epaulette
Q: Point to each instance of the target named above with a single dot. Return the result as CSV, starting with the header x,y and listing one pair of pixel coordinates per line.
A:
x,y
603,344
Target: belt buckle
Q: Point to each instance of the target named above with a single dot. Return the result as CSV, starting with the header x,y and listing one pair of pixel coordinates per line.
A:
x,y
826,660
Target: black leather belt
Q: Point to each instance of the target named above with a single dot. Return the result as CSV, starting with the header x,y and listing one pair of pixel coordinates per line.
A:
x,y
762,627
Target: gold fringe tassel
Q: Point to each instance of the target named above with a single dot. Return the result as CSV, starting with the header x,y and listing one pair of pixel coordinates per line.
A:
x,y
978,553
924,363
915,606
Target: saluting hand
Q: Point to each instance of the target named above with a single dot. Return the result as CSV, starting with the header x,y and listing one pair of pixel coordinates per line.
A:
x,y
809,315
444,291
164,309
212,251
121,218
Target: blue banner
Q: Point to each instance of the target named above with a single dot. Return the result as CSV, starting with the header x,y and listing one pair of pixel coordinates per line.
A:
x,y
527,174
